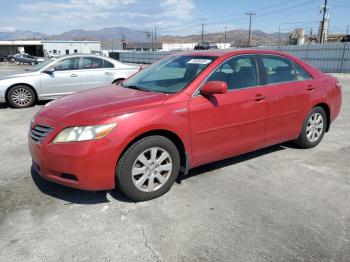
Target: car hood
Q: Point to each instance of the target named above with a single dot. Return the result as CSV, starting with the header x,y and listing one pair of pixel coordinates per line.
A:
x,y
97,104
24,74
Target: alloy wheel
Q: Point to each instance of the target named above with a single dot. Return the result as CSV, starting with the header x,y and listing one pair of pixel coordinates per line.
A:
x,y
21,97
314,127
151,169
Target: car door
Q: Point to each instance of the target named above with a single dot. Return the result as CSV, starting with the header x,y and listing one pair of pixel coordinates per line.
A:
x,y
65,79
228,124
96,72
288,88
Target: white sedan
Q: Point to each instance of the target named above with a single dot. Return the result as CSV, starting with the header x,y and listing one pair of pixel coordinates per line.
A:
x,y
62,76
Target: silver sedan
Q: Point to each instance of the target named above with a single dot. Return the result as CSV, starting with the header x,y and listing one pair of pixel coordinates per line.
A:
x,y
58,77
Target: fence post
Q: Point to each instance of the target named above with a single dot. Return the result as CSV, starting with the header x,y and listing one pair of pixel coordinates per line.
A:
x,y
344,50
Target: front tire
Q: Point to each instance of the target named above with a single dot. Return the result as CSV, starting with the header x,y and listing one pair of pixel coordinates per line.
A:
x,y
21,96
314,128
148,168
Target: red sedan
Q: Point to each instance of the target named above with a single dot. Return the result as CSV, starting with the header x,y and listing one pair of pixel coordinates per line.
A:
x,y
184,111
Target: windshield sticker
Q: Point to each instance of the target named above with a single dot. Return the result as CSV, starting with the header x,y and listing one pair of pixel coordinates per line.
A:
x,y
199,61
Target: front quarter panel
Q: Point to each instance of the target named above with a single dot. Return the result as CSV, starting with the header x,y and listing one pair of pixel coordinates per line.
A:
x,y
31,80
170,116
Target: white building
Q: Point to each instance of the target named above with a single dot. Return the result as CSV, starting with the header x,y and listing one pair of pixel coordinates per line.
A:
x,y
48,47
52,48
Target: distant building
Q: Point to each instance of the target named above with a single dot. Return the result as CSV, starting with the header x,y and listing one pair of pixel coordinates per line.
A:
x,y
48,47
52,48
297,37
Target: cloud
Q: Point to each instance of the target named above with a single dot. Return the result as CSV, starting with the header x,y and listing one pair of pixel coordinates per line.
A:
x,y
7,29
56,16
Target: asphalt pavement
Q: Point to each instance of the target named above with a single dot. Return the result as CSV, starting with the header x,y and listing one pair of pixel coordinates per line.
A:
x,y
281,203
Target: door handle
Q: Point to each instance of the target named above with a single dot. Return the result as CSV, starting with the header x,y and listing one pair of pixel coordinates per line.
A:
x,y
73,75
310,88
259,97
108,73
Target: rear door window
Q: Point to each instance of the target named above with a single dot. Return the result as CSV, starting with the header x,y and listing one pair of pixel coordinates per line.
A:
x,y
92,63
107,64
300,72
278,69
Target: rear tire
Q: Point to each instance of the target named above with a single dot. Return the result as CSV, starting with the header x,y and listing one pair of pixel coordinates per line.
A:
x,y
314,128
21,96
118,82
148,168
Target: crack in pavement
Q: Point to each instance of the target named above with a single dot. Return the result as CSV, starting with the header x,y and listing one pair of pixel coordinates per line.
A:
x,y
154,252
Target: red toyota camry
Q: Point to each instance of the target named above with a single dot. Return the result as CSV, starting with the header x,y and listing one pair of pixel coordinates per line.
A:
x,y
181,112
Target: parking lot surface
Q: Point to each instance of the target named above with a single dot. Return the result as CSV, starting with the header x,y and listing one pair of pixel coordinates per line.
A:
x,y
281,204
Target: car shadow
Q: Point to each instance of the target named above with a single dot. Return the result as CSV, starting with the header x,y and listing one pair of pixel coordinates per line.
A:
x,y
4,105
84,197
38,103
68,194
73,195
232,161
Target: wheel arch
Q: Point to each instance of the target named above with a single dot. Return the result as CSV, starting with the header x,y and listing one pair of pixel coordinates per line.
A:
x,y
22,84
173,137
118,79
327,110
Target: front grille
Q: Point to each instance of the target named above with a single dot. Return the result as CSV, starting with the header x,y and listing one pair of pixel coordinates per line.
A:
x,y
39,132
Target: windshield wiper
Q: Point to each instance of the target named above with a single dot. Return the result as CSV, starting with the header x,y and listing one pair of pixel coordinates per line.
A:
x,y
138,88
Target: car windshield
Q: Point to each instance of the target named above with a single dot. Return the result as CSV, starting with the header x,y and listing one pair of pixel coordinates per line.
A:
x,y
170,75
41,65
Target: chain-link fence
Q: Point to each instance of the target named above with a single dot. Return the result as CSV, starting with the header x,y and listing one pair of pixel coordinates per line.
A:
x,y
330,58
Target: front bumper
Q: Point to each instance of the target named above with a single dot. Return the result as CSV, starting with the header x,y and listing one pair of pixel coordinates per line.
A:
x,y
88,165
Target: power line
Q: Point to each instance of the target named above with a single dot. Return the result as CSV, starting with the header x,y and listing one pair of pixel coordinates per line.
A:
x,y
195,22
288,8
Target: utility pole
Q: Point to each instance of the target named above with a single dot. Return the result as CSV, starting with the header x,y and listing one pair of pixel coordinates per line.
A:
x,y
225,35
203,29
250,25
202,32
323,23
344,49
155,38
123,42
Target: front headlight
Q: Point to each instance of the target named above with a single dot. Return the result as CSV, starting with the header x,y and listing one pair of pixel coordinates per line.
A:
x,y
83,133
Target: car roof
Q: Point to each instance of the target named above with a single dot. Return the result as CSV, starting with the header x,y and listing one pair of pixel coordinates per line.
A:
x,y
78,54
230,52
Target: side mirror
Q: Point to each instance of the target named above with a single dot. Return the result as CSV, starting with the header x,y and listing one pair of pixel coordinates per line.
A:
x,y
214,87
49,71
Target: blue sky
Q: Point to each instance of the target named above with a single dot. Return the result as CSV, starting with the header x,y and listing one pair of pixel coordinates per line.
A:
x,y
177,17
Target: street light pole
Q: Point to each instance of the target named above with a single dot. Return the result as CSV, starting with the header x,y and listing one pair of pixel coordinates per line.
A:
x,y
250,26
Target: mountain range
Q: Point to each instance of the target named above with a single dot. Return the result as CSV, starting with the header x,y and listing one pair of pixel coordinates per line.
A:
x,y
116,34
